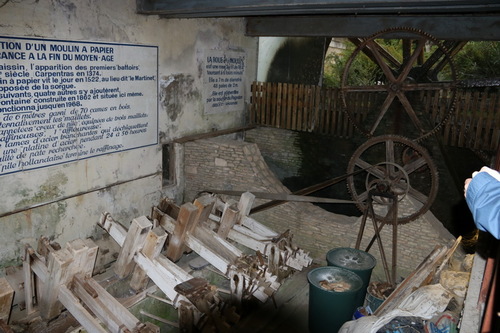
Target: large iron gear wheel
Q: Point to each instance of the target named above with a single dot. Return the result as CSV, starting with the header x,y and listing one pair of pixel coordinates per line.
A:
x,y
396,165
401,74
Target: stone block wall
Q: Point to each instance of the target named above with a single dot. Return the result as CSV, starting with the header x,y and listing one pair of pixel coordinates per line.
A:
x,y
237,165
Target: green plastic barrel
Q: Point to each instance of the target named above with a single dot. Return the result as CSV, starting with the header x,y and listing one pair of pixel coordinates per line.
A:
x,y
354,260
330,309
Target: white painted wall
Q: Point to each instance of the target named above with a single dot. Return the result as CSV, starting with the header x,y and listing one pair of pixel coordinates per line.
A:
x,y
268,46
65,201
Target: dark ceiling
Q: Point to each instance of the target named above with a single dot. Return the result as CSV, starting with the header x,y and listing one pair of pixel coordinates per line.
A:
x,y
444,19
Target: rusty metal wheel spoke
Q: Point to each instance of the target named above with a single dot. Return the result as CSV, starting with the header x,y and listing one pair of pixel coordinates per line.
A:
x,y
420,197
399,166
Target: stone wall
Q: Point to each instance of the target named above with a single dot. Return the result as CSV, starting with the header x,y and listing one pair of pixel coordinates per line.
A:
x,y
236,165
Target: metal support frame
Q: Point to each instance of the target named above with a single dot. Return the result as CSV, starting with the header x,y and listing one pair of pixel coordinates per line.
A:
x,y
369,212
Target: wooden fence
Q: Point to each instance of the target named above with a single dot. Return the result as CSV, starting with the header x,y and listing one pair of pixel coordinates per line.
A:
x,y
474,122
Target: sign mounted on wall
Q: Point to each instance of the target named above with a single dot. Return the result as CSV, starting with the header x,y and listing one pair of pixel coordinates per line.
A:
x,y
223,81
62,101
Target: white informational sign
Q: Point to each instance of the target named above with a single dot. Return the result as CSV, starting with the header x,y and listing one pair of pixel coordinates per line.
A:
x,y
61,101
223,78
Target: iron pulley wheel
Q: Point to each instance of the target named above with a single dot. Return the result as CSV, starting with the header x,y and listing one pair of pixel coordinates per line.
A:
x,y
397,166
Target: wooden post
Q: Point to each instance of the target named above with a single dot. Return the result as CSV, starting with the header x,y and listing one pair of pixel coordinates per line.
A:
x,y
245,205
188,215
228,219
84,254
28,281
134,240
58,264
152,247
6,297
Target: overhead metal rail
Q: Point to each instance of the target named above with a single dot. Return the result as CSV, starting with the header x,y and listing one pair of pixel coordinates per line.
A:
x,y
228,8
445,27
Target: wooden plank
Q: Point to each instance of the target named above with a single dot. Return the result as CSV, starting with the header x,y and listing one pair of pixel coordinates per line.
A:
x,y
274,121
481,114
317,107
217,260
300,107
284,105
114,315
29,283
188,215
258,227
160,270
217,244
495,138
295,106
268,110
134,240
412,281
6,297
489,122
113,228
152,247
279,102
253,104
465,119
84,317
289,112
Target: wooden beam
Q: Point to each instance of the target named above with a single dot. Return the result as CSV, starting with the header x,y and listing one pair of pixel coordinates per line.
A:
x,y
6,297
29,282
228,219
58,264
74,306
134,240
188,216
152,247
109,311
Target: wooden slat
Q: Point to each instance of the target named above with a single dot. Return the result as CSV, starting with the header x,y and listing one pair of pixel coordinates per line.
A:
x,y
273,95
267,108
284,106
279,102
489,121
313,108
495,138
295,97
